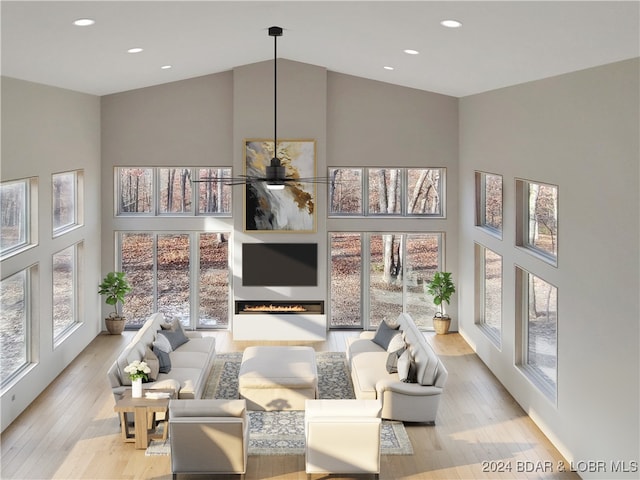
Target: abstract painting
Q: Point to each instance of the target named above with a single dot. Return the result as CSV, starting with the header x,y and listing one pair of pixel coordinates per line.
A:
x,y
291,209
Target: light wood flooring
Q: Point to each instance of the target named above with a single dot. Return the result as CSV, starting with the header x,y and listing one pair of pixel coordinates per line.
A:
x,y
71,431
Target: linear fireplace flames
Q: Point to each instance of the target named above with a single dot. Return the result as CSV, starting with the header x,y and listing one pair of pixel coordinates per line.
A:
x,y
248,307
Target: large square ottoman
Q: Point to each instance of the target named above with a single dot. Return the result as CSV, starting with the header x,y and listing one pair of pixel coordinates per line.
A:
x,y
278,378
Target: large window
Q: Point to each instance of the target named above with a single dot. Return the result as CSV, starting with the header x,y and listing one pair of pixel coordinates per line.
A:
x,y
537,212
15,326
489,202
386,191
396,267
18,216
161,268
66,288
489,293
67,195
538,331
170,191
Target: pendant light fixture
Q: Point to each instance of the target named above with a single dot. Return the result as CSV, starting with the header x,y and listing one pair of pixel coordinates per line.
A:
x,y
275,177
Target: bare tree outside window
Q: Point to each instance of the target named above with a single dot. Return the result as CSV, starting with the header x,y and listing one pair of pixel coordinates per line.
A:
x,y
422,261
345,191
135,192
64,290
214,196
493,201
491,293
214,280
543,218
175,190
424,191
384,191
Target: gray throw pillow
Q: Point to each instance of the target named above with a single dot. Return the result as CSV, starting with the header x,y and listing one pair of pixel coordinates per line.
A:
x,y
407,370
176,338
392,360
162,343
163,359
384,334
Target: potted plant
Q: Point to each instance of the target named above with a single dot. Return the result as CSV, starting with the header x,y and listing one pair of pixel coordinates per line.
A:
x,y
441,287
114,287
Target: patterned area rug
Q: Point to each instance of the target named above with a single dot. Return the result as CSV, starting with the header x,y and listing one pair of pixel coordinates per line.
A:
x,y
282,432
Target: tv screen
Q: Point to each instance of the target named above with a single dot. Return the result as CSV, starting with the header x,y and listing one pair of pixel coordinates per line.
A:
x,y
279,264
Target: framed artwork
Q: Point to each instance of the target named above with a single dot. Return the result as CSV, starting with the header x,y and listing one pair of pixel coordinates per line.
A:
x,y
292,209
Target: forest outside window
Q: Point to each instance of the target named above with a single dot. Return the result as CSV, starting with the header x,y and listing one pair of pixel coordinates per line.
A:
x,y
66,290
489,293
172,191
19,217
489,202
15,324
537,219
66,201
386,191
537,331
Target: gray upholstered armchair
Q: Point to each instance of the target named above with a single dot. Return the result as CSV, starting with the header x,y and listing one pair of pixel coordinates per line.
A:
x,y
342,436
208,436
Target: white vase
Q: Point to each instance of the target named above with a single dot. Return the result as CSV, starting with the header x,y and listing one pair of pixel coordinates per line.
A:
x,y
136,388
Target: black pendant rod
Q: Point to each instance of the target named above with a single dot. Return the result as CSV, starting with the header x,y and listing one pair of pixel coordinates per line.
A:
x,y
275,32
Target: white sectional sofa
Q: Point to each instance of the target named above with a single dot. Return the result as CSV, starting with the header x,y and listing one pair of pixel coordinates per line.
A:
x,y
190,362
408,401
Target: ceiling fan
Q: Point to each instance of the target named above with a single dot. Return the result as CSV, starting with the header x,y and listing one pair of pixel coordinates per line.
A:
x,y
275,175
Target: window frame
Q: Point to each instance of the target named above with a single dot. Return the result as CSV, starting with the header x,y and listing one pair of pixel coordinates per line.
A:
x,y
156,193
523,220
481,203
403,194
76,289
493,334
546,386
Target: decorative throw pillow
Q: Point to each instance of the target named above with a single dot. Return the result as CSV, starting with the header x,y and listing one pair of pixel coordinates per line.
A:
x,y
407,370
163,359
162,343
175,338
392,360
384,334
151,359
396,343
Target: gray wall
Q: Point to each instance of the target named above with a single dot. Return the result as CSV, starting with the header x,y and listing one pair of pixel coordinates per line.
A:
x,y
580,132
47,130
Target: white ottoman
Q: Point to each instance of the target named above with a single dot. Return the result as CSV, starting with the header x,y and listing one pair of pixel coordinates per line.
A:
x,y
278,378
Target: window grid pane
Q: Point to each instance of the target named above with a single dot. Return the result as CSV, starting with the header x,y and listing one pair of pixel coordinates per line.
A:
x,y
214,280
422,261
214,197
424,191
175,190
14,301
64,201
137,261
346,279
64,291
492,201
543,218
345,191
541,331
14,198
174,276
135,192
384,191
491,307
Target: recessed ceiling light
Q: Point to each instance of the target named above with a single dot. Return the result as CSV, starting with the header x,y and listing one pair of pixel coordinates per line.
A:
x,y
451,23
388,68
411,52
166,67
135,50
83,22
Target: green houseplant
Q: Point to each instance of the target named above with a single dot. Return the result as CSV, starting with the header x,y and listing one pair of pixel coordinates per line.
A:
x,y
441,288
114,287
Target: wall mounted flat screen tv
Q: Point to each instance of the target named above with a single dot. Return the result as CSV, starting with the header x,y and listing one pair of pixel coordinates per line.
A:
x,y
279,264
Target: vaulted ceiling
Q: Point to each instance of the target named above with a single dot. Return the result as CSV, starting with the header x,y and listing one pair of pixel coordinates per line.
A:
x,y
500,43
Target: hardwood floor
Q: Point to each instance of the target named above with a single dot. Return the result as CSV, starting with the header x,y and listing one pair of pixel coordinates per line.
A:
x,y
72,432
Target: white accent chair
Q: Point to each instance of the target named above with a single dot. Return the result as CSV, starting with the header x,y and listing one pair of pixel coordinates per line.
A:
x,y
342,436
208,436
